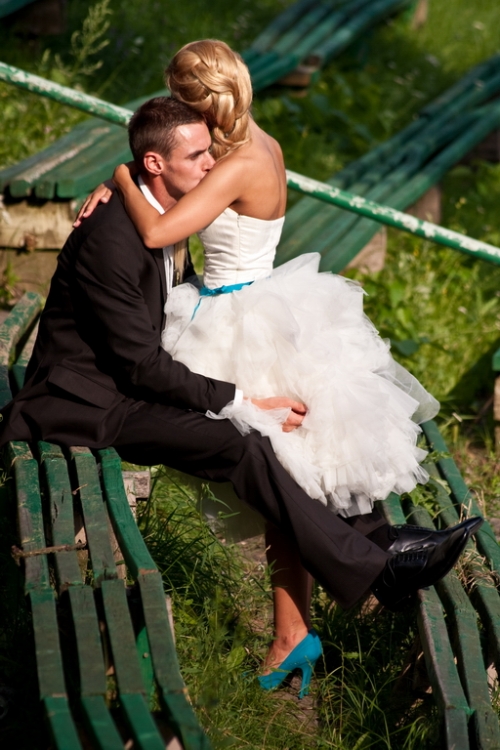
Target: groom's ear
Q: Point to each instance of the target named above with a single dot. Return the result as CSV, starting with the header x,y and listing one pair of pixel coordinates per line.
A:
x,y
153,163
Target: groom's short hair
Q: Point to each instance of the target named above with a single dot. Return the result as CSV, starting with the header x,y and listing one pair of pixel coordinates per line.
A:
x,y
152,127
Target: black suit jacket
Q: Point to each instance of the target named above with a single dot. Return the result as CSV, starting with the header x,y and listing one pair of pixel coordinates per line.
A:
x,y
98,347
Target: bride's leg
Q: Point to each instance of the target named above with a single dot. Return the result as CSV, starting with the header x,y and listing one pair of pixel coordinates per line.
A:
x,y
292,586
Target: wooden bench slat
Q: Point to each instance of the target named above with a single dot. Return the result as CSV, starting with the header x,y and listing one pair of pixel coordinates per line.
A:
x,y
60,495
119,625
438,653
484,594
277,26
52,158
52,688
94,515
92,687
126,663
11,332
88,641
136,554
442,671
463,619
19,366
142,726
486,540
61,723
392,510
161,643
166,667
99,723
29,509
48,652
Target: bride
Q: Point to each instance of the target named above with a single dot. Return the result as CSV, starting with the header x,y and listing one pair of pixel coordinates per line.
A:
x,y
291,331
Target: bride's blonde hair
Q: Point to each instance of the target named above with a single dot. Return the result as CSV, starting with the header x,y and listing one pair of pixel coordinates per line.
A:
x,y
215,81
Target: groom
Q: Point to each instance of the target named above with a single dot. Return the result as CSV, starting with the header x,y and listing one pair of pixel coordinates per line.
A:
x,y
98,377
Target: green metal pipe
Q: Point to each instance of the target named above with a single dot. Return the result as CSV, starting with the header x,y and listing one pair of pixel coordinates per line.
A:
x,y
393,218
89,104
319,190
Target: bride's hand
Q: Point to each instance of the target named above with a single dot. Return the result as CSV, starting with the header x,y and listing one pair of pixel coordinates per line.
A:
x,y
101,194
297,410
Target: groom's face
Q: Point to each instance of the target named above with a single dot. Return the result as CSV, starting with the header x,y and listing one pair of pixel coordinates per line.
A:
x,y
190,159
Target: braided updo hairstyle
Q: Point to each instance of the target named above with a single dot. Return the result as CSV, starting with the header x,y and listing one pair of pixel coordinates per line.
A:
x,y
215,81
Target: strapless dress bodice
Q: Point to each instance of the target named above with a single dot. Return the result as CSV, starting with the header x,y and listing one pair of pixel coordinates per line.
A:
x,y
239,248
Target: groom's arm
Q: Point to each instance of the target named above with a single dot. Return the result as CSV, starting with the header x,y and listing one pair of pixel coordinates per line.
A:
x,y
108,268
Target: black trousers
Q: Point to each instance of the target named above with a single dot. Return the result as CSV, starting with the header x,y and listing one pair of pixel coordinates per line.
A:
x,y
336,553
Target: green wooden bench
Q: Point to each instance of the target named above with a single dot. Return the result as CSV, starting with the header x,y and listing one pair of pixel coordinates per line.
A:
x,y
106,658
399,171
459,625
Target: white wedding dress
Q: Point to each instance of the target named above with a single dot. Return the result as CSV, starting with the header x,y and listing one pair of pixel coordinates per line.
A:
x,y
299,333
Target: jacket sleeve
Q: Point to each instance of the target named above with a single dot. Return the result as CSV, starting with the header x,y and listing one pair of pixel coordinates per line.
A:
x,y
107,270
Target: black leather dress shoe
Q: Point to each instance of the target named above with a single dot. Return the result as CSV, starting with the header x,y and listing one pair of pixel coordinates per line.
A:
x,y
413,538
406,572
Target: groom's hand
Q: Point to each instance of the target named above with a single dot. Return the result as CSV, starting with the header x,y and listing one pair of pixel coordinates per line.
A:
x,y
297,410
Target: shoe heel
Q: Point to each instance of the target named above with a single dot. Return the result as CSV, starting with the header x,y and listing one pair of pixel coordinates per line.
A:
x,y
306,679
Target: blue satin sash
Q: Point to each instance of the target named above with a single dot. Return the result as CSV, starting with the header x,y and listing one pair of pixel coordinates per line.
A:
x,y
226,289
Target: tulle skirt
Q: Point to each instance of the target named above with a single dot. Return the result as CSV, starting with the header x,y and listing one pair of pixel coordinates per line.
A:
x,y
303,334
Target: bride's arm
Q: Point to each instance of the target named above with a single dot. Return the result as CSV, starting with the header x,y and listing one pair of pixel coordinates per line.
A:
x,y
197,209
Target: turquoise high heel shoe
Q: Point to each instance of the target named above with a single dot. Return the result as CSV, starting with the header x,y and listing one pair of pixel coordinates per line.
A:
x,y
303,657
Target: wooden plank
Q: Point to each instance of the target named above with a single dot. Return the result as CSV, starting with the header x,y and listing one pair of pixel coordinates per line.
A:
x,y
47,648
92,670
355,26
92,679
160,637
61,724
60,496
463,619
94,514
121,636
19,366
142,726
88,641
277,27
134,549
128,672
471,667
11,332
100,725
90,167
29,513
485,537
391,509
290,40
483,592
173,691
22,180
42,598
442,671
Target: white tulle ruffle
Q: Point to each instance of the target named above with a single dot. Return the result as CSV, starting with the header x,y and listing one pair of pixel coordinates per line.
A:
x,y
303,334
